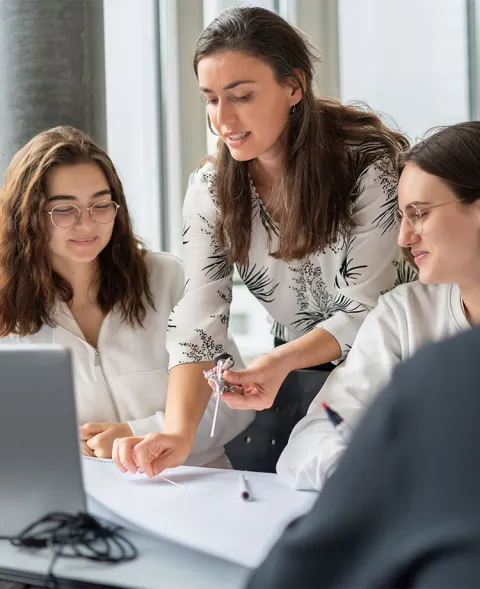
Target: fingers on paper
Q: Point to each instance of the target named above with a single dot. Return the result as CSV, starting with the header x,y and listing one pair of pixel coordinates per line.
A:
x,y
152,453
123,454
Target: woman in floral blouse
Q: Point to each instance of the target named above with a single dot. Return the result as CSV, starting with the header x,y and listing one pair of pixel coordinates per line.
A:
x,y
300,197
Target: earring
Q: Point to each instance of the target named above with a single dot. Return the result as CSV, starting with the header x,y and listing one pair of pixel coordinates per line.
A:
x,y
294,109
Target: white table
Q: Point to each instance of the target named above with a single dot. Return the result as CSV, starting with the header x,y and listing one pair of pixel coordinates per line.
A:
x,y
160,564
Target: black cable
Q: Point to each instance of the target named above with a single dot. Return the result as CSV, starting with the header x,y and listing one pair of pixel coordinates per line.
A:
x,y
75,536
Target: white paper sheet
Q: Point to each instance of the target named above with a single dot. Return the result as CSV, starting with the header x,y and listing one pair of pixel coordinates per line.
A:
x,y
209,515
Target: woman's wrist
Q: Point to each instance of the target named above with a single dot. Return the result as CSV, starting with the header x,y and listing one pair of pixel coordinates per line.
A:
x,y
316,347
286,356
185,432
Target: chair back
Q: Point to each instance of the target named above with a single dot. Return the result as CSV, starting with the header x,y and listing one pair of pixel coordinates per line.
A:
x,y
258,448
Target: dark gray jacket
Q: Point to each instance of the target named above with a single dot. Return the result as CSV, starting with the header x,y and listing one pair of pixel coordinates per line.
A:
x,y
403,508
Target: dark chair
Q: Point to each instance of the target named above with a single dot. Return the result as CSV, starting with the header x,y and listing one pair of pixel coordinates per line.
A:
x,y
258,448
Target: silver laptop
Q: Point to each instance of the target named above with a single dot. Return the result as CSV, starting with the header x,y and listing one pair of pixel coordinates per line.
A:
x,y
40,468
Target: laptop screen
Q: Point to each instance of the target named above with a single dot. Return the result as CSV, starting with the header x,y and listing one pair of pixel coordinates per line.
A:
x,y
39,446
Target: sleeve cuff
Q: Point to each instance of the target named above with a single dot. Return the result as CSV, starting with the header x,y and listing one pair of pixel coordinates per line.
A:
x,y
344,329
142,427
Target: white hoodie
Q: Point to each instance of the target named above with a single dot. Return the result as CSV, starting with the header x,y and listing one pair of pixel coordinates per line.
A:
x,y
125,378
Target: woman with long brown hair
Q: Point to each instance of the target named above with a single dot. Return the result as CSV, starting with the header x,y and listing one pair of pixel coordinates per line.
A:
x,y
72,272
300,197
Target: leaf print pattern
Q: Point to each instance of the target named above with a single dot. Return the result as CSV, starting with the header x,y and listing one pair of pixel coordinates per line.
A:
x,y
298,295
307,320
339,245
226,298
348,272
224,318
258,283
259,210
313,298
170,324
219,266
316,303
207,349
185,230
279,331
405,271
388,180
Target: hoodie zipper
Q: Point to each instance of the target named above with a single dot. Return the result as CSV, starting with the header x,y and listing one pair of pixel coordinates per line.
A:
x,y
98,364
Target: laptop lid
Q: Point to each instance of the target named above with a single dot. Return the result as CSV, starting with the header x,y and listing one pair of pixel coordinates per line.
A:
x,y
40,468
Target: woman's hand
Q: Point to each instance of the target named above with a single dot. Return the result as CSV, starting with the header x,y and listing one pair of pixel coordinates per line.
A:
x,y
260,383
262,379
99,437
86,451
151,454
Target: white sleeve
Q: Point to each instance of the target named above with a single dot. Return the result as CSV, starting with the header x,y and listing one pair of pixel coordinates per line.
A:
x,y
172,270
372,253
314,446
146,425
199,323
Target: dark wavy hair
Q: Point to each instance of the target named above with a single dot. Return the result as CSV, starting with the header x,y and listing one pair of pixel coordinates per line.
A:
x,y
29,287
320,177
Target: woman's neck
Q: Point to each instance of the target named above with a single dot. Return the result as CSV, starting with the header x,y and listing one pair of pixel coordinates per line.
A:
x,y
266,170
83,278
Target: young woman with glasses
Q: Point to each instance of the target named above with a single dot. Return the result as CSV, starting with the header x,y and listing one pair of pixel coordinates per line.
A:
x,y
300,197
439,214
72,272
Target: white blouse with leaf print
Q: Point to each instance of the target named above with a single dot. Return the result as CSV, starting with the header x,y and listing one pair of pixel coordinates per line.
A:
x,y
333,289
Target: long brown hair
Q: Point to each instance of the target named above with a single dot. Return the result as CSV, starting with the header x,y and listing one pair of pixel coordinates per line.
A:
x,y
29,287
328,144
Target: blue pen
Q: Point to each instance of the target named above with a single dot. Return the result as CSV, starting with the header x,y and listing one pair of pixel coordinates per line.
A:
x,y
342,429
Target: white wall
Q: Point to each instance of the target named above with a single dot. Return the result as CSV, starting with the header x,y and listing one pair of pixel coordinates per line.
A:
x,y
407,59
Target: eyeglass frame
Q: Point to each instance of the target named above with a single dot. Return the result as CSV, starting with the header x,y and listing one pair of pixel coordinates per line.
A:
x,y
418,213
81,211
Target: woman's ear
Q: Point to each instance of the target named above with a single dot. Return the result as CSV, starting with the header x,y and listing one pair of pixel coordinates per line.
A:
x,y
297,83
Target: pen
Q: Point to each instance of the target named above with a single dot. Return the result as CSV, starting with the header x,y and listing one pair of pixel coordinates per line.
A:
x,y
342,429
244,490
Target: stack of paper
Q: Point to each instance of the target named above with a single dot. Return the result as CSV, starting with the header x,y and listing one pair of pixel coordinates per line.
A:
x,y
209,515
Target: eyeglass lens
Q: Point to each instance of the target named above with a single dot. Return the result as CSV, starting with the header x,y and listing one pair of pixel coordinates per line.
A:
x,y
64,216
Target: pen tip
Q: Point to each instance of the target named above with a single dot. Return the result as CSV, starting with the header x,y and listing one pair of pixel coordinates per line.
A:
x,y
324,405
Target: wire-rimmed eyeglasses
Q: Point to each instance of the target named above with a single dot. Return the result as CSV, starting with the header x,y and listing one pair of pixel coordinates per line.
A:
x,y
66,216
414,215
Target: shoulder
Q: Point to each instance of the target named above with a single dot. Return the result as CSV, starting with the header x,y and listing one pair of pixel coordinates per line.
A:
x,y
165,271
375,184
370,162
415,297
204,177
201,191
163,264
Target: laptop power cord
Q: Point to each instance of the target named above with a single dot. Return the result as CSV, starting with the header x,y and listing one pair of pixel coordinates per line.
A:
x,y
75,536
